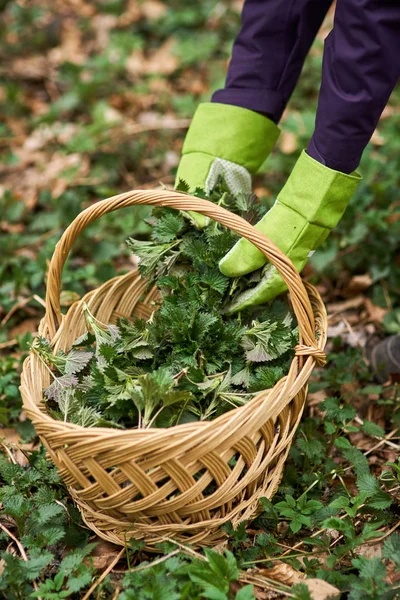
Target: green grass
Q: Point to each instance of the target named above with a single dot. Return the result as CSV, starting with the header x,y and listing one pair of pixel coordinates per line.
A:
x,y
80,122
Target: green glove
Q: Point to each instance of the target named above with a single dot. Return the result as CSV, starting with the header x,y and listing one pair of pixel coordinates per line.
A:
x,y
310,204
224,140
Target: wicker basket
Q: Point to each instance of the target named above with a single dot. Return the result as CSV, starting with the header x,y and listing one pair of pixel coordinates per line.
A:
x,y
186,481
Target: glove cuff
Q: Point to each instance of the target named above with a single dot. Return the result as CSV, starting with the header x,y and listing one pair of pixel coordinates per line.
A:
x,y
319,194
232,133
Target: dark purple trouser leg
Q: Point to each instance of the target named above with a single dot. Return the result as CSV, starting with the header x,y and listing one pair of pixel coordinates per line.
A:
x,y
360,68
269,53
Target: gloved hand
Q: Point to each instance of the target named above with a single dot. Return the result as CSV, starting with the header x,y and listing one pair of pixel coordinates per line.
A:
x,y
224,140
310,204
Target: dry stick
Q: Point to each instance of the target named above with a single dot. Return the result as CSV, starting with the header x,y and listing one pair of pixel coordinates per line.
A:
x,y
116,593
390,444
136,129
20,548
185,548
151,564
10,454
381,442
104,574
39,299
266,583
8,344
14,308
21,304
384,536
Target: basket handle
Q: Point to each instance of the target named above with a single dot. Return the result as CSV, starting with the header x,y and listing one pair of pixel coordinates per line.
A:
x,y
172,199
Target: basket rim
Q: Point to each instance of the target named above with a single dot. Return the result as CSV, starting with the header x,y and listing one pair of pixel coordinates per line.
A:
x,y
37,412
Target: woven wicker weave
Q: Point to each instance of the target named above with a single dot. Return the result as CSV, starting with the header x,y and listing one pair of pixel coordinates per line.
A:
x,y
186,481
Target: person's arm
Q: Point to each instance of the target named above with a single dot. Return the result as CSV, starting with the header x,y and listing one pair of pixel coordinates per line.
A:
x,y
233,135
269,53
360,69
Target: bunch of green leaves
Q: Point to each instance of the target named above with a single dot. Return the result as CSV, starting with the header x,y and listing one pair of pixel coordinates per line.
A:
x,y
191,359
35,511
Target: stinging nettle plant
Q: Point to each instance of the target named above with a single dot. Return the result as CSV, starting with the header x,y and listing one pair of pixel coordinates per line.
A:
x,y
191,360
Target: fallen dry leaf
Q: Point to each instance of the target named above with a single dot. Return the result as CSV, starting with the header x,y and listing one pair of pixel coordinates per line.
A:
x,y
23,327
34,67
153,9
321,590
375,313
288,142
335,308
103,554
102,25
369,550
70,49
377,139
160,62
358,283
11,227
131,14
12,441
42,170
284,573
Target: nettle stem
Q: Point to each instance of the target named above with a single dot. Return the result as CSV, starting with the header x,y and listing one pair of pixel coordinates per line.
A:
x,y
38,354
155,417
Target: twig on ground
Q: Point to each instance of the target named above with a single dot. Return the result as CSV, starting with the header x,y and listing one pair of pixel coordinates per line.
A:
x,y
104,574
20,548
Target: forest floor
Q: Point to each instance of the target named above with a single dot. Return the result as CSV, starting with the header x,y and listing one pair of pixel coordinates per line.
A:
x,y
95,99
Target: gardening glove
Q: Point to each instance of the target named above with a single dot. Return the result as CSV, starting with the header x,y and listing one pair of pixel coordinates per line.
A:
x,y
224,140
310,204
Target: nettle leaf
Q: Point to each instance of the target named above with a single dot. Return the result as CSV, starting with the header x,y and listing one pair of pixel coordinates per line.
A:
x,y
74,559
77,582
76,361
357,459
60,385
391,548
68,403
182,186
243,378
106,354
47,512
52,535
246,593
149,253
380,501
168,227
266,341
104,334
86,417
134,336
372,429
337,412
175,397
370,569
216,281
265,378
368,484
35,565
